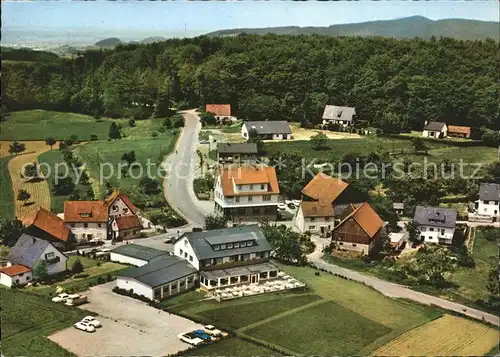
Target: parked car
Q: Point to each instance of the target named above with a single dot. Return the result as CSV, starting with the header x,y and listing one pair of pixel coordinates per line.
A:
x,y
84,326
75,300
92,321
211,330
281,206
169,240
190,338
60,298
291,206
203,335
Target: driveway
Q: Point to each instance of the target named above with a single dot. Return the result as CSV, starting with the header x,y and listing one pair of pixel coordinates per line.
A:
x,y
181,164
130,328
396,290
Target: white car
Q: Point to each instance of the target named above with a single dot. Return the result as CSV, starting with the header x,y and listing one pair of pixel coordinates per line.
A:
x,y
211,330
60,298
92,321
190,338
281,206
84,326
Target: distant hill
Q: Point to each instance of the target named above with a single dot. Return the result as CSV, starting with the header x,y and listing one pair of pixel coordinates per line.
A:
x,y
153,39
408,27
108,42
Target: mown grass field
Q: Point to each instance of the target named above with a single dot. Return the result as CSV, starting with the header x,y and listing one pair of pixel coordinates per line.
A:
x,y
6,192
446,336
39,124
333,316
231,347
27,320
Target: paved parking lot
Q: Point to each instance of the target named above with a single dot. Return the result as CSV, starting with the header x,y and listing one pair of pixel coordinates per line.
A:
x,y
130,328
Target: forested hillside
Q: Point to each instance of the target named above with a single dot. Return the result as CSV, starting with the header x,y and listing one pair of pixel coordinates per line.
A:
x,y
271,77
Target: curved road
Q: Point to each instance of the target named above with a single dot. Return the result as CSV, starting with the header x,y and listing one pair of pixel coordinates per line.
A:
x,y
181,165
396,290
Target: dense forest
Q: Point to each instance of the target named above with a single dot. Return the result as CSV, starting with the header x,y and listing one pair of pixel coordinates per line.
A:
x,y
275,77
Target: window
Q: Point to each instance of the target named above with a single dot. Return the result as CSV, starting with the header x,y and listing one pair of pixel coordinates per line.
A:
x,y
249,243
422,237
115,208
50,255
239,187
312,228
190,279
243,244
190,258
216,247
442,231
422,229
85,225
21,274
222,246
229,245
125,210
341,243
237,244
431,229
27,278
327,219
125,234
185,255
185,242
72,225
250,198
181,251
98,225
237,199
262,187
313,219
353,244
266,198
251,187
182,283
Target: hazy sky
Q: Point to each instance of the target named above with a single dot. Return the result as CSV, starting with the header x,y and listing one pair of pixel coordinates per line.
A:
x,y
177,18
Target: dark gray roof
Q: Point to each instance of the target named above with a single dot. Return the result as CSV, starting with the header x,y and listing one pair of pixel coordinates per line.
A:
x,y
237,148
489,192
333,112
435,216
434,126
27,250
139,251
200,241
269,127
160,271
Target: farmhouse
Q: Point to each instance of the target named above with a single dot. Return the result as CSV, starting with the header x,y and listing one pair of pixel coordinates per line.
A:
x,y
126,227
162,277
359,231
236,153
436,225
26,254
247,193
229,256
267,130
344,116
489,200
459,131
221,112
435,129
46,225
87,220
135,254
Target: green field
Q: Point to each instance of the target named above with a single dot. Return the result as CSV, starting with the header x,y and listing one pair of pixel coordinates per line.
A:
x,y
341,317
231,347
6,193
28,319
39,124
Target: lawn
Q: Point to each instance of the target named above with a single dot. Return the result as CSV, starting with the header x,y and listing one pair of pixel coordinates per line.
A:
x,y
86,262
6,193
334,329
231,347
28,319
39,124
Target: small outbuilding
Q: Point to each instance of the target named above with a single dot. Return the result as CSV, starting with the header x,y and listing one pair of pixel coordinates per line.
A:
x,y
135,254
399,208
459,131
435,129
397,239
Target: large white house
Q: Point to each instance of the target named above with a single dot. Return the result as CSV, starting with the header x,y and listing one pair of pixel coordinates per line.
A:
x,y
436,224
489,200
247,193
25,255
267,130
88,220
229,256
344,116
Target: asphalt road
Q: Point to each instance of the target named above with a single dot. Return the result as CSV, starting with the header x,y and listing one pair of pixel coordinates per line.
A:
x,y
178,185
396,290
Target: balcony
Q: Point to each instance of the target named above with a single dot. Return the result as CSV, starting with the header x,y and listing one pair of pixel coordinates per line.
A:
x,y
54,260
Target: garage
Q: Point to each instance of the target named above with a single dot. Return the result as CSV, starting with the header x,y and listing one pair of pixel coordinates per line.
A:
x,y
165,276
135,254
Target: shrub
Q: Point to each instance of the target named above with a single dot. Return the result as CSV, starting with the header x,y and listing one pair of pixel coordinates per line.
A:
x,y
77,267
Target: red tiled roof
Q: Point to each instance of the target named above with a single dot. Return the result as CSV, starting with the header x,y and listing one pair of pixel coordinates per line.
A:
x,y
15,270
85,211
316,209
248,176
459,129
50,223
117,194
128,222
324,188
219,109
367,219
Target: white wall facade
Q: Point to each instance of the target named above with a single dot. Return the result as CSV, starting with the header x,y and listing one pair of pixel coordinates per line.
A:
x,y
435,134
242,200
340,122
184,250
125,259
245,134
430,234
489,208
313,224
119,209
49,253
137,287
21,279
85,232
159,292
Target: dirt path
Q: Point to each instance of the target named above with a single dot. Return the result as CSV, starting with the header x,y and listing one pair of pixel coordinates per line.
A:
x,y
39,191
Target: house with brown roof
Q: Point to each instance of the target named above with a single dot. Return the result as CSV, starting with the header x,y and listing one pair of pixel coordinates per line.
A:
x,y
459,131
221,112
88,220
319,208
123,219
48,226
247,193
126,227
359,231
119,205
